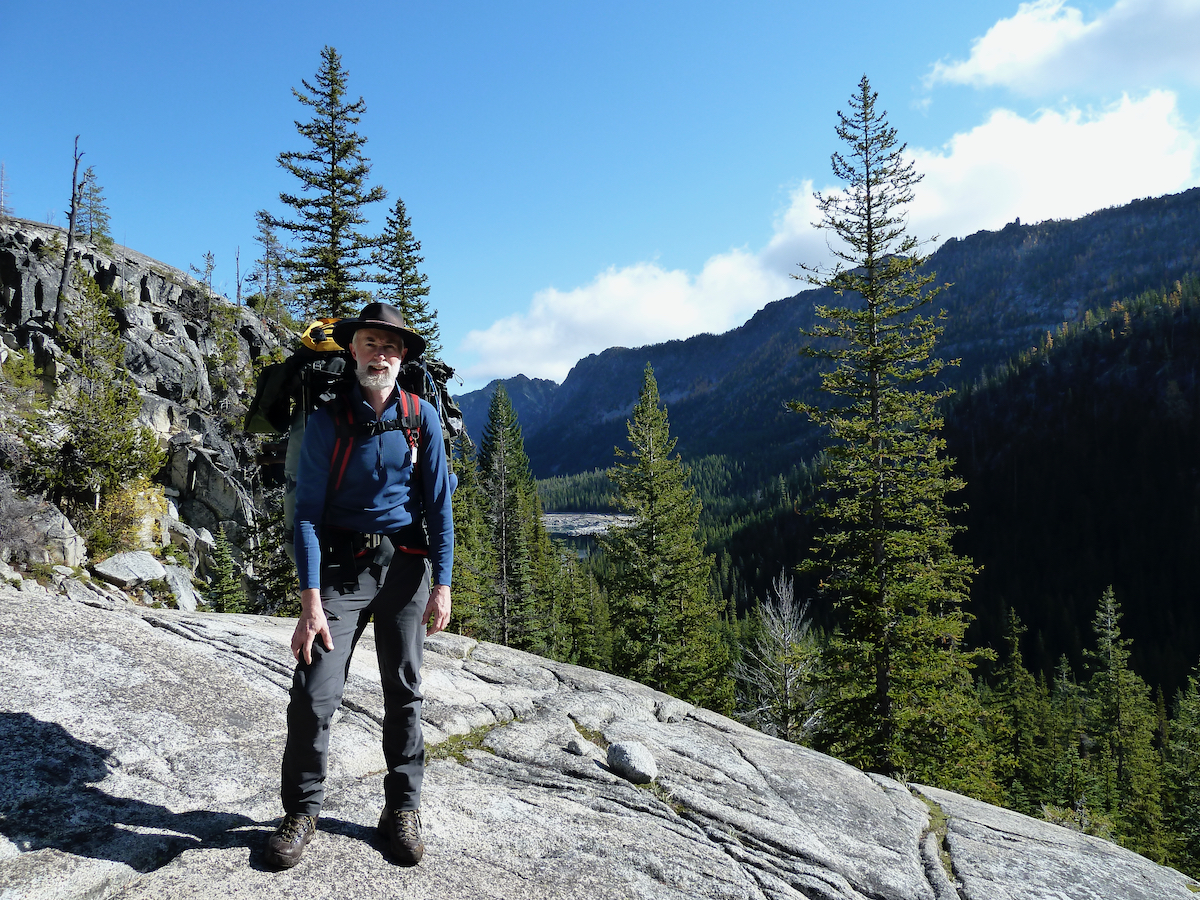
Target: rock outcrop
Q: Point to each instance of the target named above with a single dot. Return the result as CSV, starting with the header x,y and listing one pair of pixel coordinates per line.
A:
x,y
139,758
175,335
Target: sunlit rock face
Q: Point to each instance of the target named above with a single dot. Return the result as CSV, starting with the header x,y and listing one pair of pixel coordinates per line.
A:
x,y
140,750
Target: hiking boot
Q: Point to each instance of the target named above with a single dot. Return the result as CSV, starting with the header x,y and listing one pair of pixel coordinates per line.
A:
x,y
402,828
289,840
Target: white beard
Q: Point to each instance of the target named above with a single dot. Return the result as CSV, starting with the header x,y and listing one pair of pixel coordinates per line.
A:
x,y
381,380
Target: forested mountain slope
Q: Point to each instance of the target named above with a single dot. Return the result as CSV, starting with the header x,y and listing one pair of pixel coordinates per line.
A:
x,y
1082,462
727,393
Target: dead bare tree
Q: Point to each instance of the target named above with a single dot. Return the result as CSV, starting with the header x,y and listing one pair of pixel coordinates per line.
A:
x,y
775,684
60,310
5,198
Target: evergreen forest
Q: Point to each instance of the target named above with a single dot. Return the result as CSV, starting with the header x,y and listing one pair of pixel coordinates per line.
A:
x,y
1073,511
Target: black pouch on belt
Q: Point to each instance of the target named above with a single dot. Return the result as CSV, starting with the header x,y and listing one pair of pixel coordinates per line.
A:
x,y
345,555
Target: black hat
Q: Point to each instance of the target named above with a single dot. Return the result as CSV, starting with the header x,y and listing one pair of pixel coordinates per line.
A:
x,y
385,317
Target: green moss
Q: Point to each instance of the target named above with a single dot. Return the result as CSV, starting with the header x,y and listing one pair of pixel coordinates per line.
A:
x,y
596,737
456,745
938,824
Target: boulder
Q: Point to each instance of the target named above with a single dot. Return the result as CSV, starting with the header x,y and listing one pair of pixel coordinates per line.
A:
x,y
632,761
62,544
87,594
126,570
139,759
179,580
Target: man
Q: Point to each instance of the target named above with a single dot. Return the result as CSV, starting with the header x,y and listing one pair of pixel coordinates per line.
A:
x,y
361,553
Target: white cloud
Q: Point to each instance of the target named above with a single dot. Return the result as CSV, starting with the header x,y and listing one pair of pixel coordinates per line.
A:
x,y
1057,164
1048,47
1053,166
632,306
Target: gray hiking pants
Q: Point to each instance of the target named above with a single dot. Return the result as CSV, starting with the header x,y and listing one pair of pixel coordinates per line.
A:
x,y
397,607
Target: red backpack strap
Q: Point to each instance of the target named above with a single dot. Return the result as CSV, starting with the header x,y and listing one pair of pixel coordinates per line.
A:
x,y
345,429
343,420
410,418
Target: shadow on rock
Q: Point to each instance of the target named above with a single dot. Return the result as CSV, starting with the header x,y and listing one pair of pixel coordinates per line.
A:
x,y
49,797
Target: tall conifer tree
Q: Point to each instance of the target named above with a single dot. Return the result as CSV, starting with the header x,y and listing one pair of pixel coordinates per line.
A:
x,y
665,622
1070,784
224,592
508,486
401,282
1182,773
900,695
473,613
776,674
1121,722
330,256
1019,720
586,625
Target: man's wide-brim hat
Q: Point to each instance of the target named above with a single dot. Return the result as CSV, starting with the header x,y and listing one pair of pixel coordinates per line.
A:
x,y
385,317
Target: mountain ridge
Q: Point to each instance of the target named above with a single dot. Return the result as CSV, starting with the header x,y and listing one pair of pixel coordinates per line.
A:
x,y
1008,288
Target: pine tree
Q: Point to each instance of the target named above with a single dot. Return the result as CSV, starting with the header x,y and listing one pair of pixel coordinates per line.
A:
x,y
401,283
474,561
276,585
508,486
900,695
1071,785
775,676
1019,718
329,260
273,297
666,624
553,582
589,640
1182,774
97,444
92,219
224,592
60,303
1121,722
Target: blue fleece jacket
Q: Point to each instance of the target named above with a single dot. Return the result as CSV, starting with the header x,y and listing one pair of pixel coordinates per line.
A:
x,y
380,492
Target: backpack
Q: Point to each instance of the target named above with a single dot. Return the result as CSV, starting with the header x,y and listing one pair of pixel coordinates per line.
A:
x,y
319,373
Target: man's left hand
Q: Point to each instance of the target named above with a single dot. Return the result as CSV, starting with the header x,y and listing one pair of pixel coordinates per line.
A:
x,y
437,611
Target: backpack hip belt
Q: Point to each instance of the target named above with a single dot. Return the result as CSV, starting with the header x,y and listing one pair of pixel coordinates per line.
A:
x,y
345,555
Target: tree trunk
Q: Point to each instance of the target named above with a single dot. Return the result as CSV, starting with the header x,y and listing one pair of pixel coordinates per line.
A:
x,y
60,312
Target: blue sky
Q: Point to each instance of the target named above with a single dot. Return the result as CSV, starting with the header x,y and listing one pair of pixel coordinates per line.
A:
x,y
590,175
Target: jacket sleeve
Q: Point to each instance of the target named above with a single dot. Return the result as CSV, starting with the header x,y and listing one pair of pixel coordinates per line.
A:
x,y
435,483
312,478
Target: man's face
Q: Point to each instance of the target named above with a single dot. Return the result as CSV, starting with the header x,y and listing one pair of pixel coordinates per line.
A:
x,y
377,356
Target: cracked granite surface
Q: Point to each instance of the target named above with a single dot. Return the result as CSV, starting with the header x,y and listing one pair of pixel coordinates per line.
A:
x,y
139,758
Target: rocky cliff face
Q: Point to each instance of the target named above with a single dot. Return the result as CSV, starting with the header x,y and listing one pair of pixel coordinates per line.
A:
x,y
139,758
173,338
